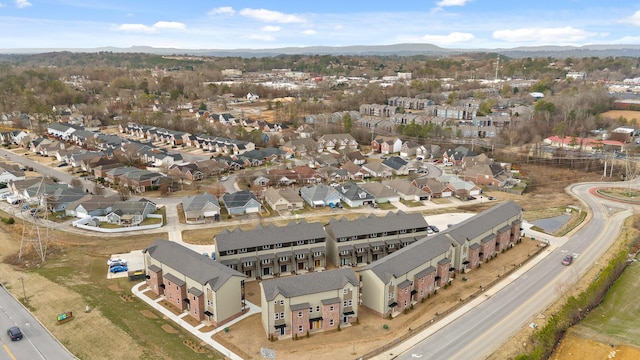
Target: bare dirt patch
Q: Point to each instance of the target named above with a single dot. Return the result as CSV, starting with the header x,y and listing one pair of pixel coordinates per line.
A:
x,y
169,329
616,114
575,346
148,314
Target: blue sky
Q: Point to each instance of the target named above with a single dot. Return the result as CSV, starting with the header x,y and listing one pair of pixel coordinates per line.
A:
x,y
243,24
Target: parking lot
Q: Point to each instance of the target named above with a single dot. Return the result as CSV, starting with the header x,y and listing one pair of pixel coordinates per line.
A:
x,y
134,259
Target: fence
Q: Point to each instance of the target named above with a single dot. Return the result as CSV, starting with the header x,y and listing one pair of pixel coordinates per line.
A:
x,y
82,224
452,309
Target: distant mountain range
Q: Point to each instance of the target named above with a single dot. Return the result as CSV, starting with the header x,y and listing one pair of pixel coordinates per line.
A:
x,y
384,50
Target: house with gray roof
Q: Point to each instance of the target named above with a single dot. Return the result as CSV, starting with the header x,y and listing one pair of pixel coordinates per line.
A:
x,y
378,169
398,165
380,192
241,202
293,307
407,191
369,238
283,199
207,290
91,205
130,212
10,173
353,195
198,208
320,195
273,250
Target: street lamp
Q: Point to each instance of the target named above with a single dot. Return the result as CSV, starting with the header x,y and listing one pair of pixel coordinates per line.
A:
x,y
24,293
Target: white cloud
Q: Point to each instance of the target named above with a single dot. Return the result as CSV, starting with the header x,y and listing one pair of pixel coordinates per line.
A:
x,y
444,3
633,19
22,3
160,25
549,36
270,28
224,10
271,16
309,32
452,38
627,40
264,37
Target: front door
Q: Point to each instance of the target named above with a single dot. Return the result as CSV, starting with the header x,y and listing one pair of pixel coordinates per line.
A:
x,y
282,331
316,263
283,268
301,266
266,271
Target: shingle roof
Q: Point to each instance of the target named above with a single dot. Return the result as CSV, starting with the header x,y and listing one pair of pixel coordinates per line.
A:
x,y
373,224
269,235
483,222
198,202
410,257
310,283
191,264
238,199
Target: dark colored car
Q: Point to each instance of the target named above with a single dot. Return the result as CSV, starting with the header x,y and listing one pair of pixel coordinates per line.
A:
x,y
14,333
118,268
567,260
434,228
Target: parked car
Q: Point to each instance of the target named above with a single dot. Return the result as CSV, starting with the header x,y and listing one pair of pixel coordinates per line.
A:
x,y
491,198
116,261
63,164
118,268
14,333
567,260
434,228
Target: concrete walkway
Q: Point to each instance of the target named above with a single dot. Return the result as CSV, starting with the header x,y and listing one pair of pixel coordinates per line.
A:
x,y
195,331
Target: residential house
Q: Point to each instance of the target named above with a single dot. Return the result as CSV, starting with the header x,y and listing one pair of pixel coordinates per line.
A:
x,y
91,205
187,171
307,175
10,173
305,304
355,172
461,188
407,191
273,250
378,169
386,145
433,187
320,195
198,208
398,165
241,202
380,192
356,157
300,147
283,199
337,142
353,195
206,289
370,238
130,213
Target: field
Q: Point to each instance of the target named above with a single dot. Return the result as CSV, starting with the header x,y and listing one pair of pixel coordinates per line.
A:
x,y
630,115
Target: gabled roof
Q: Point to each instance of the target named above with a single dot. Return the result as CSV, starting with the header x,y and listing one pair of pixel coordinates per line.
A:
x,y
405,187
352,191
318,192
198,202
268,235
395,162
191,264
238,199
483,222
410,257
374,224
307,284
378,190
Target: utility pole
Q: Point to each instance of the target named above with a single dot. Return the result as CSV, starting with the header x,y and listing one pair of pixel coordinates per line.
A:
x,y
24,293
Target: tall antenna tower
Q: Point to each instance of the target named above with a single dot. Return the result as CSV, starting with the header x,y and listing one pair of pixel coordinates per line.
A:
x,y
35,232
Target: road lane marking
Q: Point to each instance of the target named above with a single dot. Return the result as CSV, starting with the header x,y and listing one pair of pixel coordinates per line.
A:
x,y
6,348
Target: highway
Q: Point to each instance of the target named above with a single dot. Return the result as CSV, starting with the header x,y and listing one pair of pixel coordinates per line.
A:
x,y
485,327
37,342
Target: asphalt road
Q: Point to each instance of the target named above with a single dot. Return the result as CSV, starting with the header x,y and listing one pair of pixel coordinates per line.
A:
x,y
483,329
37,342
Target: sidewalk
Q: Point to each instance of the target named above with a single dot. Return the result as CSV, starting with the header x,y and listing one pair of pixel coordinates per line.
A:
x,y
417,338
204,336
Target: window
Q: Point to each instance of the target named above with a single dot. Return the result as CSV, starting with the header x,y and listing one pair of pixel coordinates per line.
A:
x,y
355,237
331,322
300,242
276,316
282,303
421,292
300,256
342,239
284,258
312,241
266,247
299,313
282,315
247,264
241,251
361,250
331,308
231,252
391,296
277,246
376,248
403,231
347,303
300,329
318,308
345,291
422,281
317,253
311,309
373,235
177,288
385,233
209,303
265,261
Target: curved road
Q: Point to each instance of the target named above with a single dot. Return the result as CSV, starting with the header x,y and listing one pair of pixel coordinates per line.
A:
x,y
482,329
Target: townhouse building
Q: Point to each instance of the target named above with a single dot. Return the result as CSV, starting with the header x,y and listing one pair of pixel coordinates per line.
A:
x,y
315,302
205,289
370,238
273,250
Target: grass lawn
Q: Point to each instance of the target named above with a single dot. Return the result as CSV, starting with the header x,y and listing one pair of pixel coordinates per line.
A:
x,y
617,315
